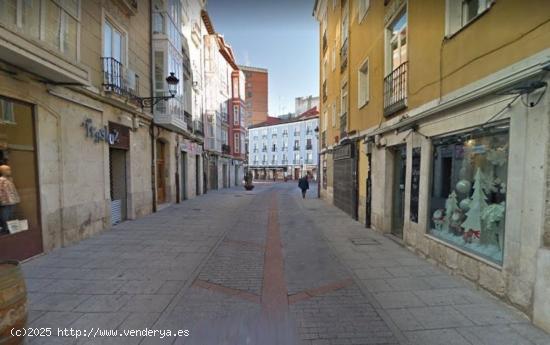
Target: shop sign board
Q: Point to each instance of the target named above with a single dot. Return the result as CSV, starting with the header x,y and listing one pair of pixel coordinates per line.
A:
x,y
99,134
120,138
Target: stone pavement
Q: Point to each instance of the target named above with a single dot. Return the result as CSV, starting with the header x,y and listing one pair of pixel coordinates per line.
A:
x,y
262,267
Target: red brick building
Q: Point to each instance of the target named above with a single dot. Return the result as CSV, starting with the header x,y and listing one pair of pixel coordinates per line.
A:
x,y
256,94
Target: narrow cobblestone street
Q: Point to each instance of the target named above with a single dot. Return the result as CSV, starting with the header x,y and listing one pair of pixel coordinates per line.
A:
x,y
282,271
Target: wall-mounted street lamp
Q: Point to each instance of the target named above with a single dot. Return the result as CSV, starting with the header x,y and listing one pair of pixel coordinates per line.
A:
x,y
173,82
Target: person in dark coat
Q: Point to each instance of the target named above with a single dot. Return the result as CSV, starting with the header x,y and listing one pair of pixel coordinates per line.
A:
x,y
303,184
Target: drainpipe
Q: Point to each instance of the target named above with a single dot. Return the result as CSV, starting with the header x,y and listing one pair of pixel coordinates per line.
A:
x,y
178,192
152,126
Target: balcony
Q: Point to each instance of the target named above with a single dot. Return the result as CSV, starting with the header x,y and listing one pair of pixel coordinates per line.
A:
x,y
309,161
309,147
188,120
343,125
264,149
226,149
285,161
296,162
198,127
130,7
118,80
344,56
395,90
296,148
296,133
264,162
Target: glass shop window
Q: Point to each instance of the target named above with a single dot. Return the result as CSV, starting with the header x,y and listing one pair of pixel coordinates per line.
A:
x,y
20,235
468,199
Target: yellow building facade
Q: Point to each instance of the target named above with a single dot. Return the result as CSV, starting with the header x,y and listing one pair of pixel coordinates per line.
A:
x,y
447,110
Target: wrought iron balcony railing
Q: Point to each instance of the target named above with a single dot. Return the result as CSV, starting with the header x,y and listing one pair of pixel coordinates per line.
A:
x,y
309,147
343,125
119,80
395,90
296,148
188,121
198,127
344,55
226,149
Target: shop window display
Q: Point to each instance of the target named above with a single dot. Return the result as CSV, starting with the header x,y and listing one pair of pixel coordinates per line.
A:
x,y
20,235
468,200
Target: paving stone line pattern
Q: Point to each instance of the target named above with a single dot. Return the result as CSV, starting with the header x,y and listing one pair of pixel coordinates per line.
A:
x,y
203,266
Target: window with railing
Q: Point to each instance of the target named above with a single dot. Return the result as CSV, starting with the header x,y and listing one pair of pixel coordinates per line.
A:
x,y
273,148
324,139
309,145
344,55
297,145
198,127
264,148
395,90
285,133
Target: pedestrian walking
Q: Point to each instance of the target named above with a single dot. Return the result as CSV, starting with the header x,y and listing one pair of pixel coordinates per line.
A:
x,y
303,184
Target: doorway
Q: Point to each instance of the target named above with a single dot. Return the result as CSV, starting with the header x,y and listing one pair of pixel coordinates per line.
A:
x,y
368,202
197,174
224,175
161,168
236,175
184,195
398,200
117,172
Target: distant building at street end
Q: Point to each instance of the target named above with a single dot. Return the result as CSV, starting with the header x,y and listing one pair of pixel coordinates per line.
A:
x,y
284,148
256,94
303,104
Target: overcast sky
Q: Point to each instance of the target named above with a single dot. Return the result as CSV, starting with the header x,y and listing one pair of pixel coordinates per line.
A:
x,y
280,35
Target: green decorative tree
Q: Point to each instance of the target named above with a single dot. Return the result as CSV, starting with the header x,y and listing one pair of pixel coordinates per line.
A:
x,y
450,206
477,205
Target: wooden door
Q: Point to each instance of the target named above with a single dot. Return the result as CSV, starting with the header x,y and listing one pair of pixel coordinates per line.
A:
x,y
161,176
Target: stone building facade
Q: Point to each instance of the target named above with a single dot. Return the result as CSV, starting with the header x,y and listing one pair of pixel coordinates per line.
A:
x,y
77,141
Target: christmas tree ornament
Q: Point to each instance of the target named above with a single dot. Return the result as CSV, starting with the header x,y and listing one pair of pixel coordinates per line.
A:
x,y
464,204
463,187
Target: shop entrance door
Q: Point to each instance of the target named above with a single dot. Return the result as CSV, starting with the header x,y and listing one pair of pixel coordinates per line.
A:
x,y
224,174
198,174
368,202
184,176
117,169
161,179
398,202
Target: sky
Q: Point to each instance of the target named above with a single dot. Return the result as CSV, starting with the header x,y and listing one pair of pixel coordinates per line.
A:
x,y
280,35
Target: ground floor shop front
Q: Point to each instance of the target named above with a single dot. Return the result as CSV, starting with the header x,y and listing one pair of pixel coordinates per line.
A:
x,y
71,166
292,172
223,171
466,187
